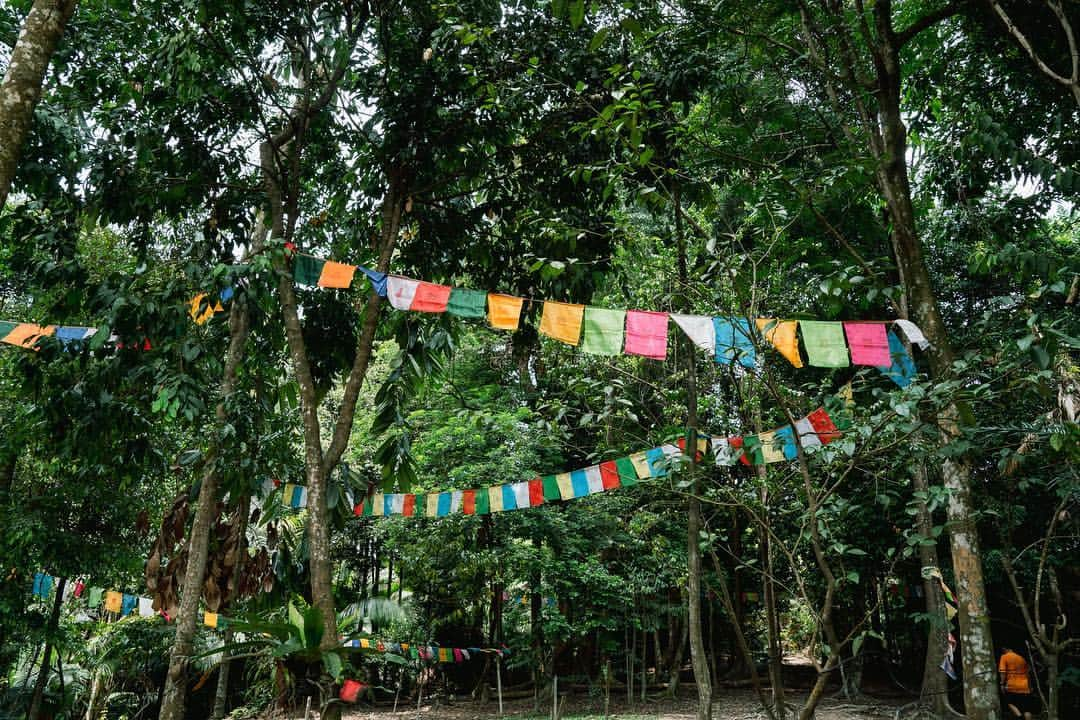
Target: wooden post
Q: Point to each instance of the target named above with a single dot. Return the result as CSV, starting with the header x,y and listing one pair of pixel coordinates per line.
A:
x,y
498,680
555,697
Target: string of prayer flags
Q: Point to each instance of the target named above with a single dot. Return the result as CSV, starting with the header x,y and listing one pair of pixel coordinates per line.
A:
x,y
776,445
830,344
603,331
424,652
113,601
562,321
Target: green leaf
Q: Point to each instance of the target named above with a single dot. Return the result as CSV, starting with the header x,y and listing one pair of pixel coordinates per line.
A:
x,y
577,13
597,41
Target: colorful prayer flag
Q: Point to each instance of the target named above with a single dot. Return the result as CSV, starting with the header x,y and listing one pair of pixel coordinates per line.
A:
x,y
901,369
468,502
430,297
734,342
722,454
628,474
641,465
646,334
536,492
580,483
562,321
808,436
307,269
700,329
210,619
495,498
432,509
783,336
483,502
521,494
823,426
467,303
603,331
336,275
377,280
609,475
594,479
551,488
509,499
868,343
566,486
442,507
146,607
824,341
657,462
69,335
785,438
913,333
400,291
504,311
113,601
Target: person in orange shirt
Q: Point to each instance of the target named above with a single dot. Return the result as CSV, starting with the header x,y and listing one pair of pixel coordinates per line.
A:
x,y
1015,686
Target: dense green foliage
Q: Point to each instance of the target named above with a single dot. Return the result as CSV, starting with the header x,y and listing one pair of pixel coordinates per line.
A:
x,y
687,157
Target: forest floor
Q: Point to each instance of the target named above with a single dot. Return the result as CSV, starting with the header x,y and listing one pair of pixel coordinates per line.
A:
x,y
729,705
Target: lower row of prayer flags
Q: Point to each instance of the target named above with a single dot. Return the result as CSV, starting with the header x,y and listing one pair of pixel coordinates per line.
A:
x,y
424,652
777,445
113,601
604,331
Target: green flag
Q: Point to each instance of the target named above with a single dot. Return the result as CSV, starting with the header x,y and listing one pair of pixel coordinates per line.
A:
x,y
467,303
825,345
603,331
307,270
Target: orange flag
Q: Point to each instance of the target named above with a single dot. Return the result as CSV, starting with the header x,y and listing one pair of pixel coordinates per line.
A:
x,y
562,321
336,275
504,311
782,335
26,335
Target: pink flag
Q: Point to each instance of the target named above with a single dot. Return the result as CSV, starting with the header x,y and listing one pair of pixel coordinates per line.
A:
x,y
868,343
646,334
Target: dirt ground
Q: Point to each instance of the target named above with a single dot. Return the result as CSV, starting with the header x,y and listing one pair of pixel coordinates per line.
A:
x,y
729,705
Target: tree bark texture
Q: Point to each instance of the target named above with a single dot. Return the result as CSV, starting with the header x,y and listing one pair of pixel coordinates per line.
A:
x,y
174,696
21,89
699,658
874,95
934,686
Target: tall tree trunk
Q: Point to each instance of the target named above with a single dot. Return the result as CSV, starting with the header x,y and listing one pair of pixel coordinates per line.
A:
x,y
772,615
980,678
698,656
34,712
21,89
174,696
934,686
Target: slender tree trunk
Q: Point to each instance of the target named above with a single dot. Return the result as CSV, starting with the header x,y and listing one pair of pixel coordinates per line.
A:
x,y
934,687
694,526
772,615
980,677
34,712
174,696
21,89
